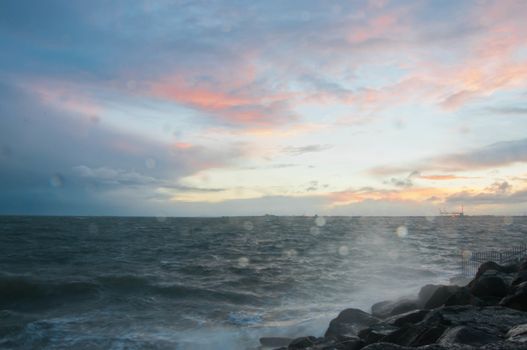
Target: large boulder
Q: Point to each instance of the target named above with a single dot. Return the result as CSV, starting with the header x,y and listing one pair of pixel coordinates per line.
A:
x,y
377,332
519,278
488,266
493,320
389,346
349,323
312,343
271,342
380,331
522,266
517,334
426,292
467,335
462,296
433,296
489,285
410,317
517,299
303,342
386,309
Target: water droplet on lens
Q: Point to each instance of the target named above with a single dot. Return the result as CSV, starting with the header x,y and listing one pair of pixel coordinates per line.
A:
x,y
243,262
314,231
508,220
467,254
290,253
320,221
401,231
343,250
248,225
161,218
56,181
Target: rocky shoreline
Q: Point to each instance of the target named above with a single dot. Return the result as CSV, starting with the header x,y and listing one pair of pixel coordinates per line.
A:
x,y
490,312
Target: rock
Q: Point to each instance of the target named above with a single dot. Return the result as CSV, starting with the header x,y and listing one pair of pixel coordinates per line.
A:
x,y
520,278
518,299
517,334
416,335
460,281
468,336
511,268
302,342
494,320
377,332
275,341
352,343
313,343
439,296
410,317
489,286
503,346
426,293
389,346
389,308
486,266
522,266
463,297
349,323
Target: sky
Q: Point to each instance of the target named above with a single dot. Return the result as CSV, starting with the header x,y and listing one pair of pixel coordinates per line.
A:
x,y
212,108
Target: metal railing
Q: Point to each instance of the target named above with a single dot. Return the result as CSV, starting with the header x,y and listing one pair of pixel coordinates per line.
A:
x,y
470,261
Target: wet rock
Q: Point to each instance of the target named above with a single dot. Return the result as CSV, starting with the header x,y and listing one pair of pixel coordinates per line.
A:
x,y
510,268
303,342
492,319
410,317
349,323
518,299
517,333
468,336
389,346
486,266
438,296
390,308
275,341
489,286
520,278
460,281
377,332
416,335
522,266
351,343
426,292
463,297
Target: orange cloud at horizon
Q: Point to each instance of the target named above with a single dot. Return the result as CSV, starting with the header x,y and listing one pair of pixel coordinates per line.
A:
x,y
446,177
410,194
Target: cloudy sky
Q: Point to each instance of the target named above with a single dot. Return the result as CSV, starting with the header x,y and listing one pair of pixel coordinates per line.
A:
x,y
185,108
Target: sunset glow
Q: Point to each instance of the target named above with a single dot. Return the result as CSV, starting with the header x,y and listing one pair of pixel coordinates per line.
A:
x,y
237,108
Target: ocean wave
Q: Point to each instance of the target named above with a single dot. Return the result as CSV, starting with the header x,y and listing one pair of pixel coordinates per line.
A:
x,y
22,290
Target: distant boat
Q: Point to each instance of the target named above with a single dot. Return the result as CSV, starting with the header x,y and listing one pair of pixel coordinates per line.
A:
x,y
452,213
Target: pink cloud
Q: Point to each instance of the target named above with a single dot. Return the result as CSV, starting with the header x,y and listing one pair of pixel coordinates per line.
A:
x,y
234,102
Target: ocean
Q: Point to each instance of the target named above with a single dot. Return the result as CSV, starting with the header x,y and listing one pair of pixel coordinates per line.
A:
x,y
217,283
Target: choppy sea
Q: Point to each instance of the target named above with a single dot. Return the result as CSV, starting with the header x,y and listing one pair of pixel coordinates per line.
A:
x,y
217,283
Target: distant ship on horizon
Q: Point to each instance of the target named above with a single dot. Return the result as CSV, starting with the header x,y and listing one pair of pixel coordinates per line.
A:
x,y
452,213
